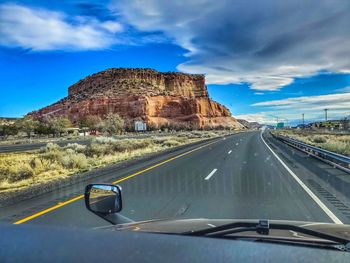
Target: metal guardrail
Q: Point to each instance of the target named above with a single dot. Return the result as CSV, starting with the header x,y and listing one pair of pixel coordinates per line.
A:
x,y
339,161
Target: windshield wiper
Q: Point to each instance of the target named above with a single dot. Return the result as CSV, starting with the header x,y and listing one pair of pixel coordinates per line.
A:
x,y
263,228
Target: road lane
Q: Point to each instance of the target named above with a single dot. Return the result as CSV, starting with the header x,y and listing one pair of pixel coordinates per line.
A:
x,y
329,213
29,208
248,183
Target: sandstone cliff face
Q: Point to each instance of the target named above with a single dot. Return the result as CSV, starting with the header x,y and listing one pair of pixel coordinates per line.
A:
x,y
155,97
123,81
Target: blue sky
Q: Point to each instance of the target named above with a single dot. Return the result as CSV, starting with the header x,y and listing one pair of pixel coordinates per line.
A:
x,y
261,60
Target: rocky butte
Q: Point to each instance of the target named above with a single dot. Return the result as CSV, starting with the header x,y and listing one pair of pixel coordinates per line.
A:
x,y
157,98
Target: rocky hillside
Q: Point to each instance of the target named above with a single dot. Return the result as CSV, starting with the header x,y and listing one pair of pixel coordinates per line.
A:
x,y
155,97
249,125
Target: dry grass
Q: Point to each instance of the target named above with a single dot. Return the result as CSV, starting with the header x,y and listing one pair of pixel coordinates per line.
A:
x,y
338,143
14,140
20,170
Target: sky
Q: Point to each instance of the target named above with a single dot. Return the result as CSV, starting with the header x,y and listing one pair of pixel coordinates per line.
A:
x,y
262,59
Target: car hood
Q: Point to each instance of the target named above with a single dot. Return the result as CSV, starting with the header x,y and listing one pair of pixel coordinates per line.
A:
x,y
179,226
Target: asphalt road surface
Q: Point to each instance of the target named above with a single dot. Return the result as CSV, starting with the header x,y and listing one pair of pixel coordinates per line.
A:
x,y
248,175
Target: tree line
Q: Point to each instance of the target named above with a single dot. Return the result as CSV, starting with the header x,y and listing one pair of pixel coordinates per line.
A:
x,y
112,124
58,125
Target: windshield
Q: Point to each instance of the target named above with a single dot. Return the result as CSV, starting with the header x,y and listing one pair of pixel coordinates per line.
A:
x,y
235,110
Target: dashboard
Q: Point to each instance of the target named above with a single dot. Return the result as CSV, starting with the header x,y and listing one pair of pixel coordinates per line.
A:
x,y
48,244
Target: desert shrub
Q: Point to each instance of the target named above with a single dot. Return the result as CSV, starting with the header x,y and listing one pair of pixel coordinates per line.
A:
x,y
37,165
196,133
319,139
110,146
73,160
17,172
131,144
193,135
208,135
51,147
184,134
171,143
338,147
158,140
79,161
98,149
3,173
105,140
79,148
52,155
345,139
181,139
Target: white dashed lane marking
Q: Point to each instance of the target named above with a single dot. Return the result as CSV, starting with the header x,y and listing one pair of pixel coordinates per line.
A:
x,y
211,174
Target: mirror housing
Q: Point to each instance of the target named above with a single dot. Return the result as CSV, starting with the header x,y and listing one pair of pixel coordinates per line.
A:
x,y
103,200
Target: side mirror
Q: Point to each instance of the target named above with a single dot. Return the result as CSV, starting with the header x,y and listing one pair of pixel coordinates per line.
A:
x,y
103,199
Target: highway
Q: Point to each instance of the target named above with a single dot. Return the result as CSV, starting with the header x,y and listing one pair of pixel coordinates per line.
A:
x,y
249,175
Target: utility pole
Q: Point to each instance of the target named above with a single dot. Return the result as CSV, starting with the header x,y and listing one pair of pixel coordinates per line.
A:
x,y
303,115
325,114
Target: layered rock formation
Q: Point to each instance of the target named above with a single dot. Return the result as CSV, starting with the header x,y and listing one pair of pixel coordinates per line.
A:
x,y
142,94
249,125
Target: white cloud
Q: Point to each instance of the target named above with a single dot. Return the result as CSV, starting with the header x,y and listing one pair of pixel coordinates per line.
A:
x,y
41,29
261,117
291,109
111,26
266,43
311,103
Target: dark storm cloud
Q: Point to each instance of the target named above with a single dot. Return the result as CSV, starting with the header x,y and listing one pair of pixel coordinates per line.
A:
x,y
267,43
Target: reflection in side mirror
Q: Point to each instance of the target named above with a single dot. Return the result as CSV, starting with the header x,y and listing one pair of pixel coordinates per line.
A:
x,y
103,199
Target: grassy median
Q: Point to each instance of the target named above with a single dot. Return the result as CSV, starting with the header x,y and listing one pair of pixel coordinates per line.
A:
x,y
338,143
21,170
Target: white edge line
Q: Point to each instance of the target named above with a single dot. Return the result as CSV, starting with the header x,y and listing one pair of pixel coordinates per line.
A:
x,y
230,151
211,174
307,189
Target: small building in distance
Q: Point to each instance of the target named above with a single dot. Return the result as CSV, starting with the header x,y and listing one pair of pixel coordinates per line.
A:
x,y
140,126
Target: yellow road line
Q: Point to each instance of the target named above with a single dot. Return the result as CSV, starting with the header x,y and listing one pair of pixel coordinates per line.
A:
x,y
116,182
48,210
